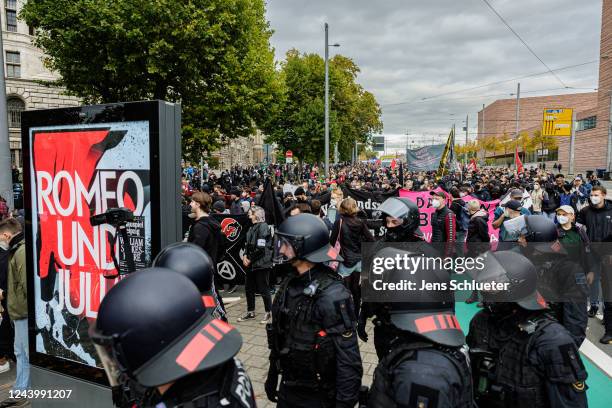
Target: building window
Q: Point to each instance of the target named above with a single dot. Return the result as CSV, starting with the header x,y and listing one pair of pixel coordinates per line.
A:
x,y
13,64
11,15
14,107
586,123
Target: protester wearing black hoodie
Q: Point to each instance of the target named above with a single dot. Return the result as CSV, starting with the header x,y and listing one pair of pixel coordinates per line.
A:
x,y
206,231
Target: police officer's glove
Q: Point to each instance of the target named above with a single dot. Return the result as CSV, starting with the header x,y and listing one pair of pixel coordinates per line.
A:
x,y
272,383
361,327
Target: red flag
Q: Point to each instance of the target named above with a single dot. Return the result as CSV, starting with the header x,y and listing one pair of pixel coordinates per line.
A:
x,y
517,162
472,166
393,164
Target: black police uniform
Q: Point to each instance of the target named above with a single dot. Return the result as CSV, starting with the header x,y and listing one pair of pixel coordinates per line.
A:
x,y
313,341
526,360
426,364
521,356
226,386
409,231
422,374
561,276
194,352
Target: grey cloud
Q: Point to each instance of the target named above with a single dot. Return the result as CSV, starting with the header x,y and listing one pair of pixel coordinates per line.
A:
x,y
408,50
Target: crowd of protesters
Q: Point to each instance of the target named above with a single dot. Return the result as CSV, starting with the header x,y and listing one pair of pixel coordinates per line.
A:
x,y
578,205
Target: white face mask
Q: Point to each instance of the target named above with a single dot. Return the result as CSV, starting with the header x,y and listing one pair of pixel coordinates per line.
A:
x,y
4,245
462,195
595,200
536,187
562,219
436,203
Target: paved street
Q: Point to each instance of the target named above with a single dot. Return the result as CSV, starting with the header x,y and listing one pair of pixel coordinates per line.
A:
x,y
254,353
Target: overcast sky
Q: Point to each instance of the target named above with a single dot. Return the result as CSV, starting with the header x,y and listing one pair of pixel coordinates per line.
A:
x,y
413,49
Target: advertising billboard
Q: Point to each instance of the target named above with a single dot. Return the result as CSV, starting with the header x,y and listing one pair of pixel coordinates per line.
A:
x,y
75,171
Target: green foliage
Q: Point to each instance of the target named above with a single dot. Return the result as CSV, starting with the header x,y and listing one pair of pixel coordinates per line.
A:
x,y
212,56
299,123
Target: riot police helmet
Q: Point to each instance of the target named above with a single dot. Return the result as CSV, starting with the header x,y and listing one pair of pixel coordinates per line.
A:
x,y
541,232
425,313
153,328
303,237
403,209
194,262
516,274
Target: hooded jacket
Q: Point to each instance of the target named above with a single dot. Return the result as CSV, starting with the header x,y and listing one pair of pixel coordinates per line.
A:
x,y
206,233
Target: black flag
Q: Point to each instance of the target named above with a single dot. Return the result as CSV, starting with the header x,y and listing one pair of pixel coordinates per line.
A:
x,y
271,205
401,175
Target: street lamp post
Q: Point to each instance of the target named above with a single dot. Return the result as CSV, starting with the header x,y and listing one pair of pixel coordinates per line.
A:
x,y
327,99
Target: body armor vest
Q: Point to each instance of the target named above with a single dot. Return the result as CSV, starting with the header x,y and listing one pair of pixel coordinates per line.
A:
x,y
503,374
306,353
381,393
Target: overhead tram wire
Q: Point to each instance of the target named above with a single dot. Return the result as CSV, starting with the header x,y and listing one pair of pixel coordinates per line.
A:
x,y
484,96
494,83
525,43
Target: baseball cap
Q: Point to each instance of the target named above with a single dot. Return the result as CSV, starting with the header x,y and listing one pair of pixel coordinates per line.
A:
x,y
514,205
566,208
439,193
516,193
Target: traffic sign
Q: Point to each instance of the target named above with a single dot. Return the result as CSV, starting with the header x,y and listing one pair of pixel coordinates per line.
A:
x,y
557,122
289,156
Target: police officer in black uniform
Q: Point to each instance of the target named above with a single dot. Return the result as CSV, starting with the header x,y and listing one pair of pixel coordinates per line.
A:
x,y
521,356
401,218
192,261
312,335
427,365
561,278
154,330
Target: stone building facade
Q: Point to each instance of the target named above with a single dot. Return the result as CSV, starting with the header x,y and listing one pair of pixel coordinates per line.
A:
x,y
24,71
245,151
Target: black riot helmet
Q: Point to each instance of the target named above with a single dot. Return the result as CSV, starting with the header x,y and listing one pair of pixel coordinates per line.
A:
x,y
306,237
426,313
404,209
542,231
153,328
515,270
193,262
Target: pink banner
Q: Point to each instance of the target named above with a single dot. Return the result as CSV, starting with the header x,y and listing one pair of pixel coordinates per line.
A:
x,y
423,201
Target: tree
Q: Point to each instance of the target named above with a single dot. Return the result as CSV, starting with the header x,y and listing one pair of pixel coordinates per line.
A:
x,y
299,123
212,56
539,141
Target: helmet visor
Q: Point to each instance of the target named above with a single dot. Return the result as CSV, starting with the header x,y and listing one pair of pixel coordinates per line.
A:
x,y
393,207
111,366
286,249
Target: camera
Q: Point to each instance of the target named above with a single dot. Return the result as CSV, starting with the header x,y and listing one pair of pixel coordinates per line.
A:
x,y
113,216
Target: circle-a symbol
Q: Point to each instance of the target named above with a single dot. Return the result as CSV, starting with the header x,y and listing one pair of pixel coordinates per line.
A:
x,y
226,270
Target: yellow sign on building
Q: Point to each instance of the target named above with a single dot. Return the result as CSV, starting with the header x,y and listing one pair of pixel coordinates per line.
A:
x,y
557,122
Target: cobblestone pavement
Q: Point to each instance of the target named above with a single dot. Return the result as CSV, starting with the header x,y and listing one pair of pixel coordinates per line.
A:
x,y
254,353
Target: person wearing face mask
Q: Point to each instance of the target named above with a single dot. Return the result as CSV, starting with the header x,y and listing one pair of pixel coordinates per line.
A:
x,y
539,198
443,220
597,218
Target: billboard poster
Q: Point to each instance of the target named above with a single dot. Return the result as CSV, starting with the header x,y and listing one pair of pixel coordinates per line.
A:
x,y
77,171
